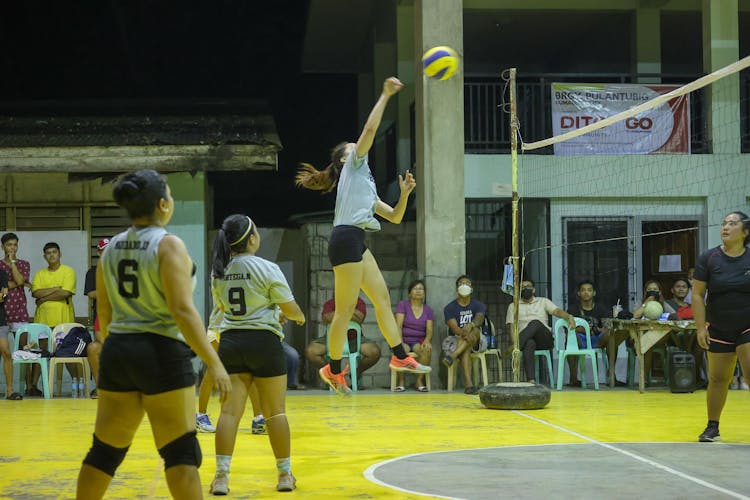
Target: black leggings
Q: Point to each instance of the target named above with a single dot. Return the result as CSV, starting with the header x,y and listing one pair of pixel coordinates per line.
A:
x,y
534,337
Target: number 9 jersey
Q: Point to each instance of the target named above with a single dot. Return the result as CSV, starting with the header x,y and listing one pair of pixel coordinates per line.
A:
x,y
248,293
130,264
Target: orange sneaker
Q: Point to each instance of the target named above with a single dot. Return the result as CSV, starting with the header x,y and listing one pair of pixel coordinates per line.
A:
x,y
408,364
337,381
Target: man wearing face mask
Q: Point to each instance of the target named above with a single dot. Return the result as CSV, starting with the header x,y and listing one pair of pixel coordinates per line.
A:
x,y
464,317
534,332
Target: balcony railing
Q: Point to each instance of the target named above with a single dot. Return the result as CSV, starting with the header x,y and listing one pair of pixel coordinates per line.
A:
x,y
486,128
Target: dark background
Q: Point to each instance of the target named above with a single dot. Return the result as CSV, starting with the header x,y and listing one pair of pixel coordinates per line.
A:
x,y
225,50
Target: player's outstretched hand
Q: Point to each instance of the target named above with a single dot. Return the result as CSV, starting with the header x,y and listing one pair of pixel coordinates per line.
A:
x,y
407,183
221,381
392,85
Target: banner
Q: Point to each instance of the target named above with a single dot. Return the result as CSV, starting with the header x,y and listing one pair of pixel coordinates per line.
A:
x,y
662,129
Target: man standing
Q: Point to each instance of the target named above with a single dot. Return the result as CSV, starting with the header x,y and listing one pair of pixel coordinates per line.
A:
x,y
16,312
4,347
95,347
464,316
53,288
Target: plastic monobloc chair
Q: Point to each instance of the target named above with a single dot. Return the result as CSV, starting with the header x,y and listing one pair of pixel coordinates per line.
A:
x,y
353,356
33,331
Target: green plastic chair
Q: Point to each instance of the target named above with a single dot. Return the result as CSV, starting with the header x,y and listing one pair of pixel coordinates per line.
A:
x,y
33,330
572,349
545,353
353,356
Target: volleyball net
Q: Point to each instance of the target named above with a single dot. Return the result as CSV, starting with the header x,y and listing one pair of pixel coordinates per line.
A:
x,y
638,178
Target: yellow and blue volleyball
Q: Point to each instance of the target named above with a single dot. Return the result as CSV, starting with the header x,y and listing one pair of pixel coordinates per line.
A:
x,y
440,63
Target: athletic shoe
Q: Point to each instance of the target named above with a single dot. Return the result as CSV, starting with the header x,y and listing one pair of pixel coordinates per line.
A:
x,y
259,425
408,364
287,482
471,390
447,361
337,382
220,484
203,423
710,435
94,394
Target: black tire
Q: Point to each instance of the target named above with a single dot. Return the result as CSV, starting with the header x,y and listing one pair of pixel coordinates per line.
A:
x,y
515,396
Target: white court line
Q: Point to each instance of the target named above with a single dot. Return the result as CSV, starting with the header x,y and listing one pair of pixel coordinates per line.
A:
x,y
635,456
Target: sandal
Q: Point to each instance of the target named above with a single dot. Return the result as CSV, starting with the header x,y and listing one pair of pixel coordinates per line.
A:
x,y
399,388
33,391
14,397
422,388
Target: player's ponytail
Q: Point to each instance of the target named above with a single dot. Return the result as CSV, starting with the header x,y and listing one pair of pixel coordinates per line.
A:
x,y
324,180
231,236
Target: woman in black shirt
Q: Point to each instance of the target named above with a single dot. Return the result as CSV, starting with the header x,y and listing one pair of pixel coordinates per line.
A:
x,y
722,321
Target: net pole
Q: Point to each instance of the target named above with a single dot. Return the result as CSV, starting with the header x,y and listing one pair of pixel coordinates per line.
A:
x,y
516,361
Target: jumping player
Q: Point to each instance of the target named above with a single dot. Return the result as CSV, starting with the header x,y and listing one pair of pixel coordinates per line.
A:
x,y
354,267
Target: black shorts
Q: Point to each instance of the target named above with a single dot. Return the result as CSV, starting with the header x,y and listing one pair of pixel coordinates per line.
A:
x,y
258,352
146,363
723,341
347,244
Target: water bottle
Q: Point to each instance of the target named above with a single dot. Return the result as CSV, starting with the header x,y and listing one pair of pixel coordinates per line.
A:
x,y
74,387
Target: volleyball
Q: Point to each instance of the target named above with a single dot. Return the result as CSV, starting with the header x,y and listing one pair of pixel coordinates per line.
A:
x,y
653,310
440,63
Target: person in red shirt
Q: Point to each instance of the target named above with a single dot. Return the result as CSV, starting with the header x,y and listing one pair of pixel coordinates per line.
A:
x,y
316,353
16,312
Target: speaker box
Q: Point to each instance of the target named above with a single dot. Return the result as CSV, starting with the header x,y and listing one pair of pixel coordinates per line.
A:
x,y
681,372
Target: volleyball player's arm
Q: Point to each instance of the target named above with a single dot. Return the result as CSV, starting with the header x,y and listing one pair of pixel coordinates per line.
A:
x,y
699,312
396,214
366,138
174,269
103,306
293,312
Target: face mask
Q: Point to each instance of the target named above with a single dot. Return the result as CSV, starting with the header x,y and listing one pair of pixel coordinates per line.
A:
x,y
464,290
527,293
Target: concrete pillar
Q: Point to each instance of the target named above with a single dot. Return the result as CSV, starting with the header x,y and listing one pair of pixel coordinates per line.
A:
x,y
189,223
441,253
720,48
648,44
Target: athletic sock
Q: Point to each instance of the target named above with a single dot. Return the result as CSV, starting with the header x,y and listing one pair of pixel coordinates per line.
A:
x,y
284,465
399,351
223,462
713,423
335,366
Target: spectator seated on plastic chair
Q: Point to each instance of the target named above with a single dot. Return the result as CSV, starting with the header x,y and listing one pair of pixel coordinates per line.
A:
x,y
68,344
571,349
33,355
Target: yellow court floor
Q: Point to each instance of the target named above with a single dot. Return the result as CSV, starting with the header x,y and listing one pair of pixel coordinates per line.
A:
x,y
335,440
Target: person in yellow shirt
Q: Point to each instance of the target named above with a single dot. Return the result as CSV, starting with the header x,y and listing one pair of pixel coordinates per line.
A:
x,y
53,288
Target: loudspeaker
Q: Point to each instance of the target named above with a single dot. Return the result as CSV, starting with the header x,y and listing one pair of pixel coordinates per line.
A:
x,y
681,372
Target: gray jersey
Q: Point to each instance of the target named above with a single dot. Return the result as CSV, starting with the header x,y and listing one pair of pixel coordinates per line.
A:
x,y
246,297
356,195
131,276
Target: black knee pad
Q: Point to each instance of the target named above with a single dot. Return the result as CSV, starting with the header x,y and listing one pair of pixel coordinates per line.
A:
x,y
104,457
184,450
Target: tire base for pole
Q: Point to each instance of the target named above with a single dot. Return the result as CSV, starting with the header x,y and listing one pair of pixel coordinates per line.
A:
x,y
515,396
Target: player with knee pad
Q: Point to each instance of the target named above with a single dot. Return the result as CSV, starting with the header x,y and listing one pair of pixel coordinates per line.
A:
x,y
252,297
150,330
